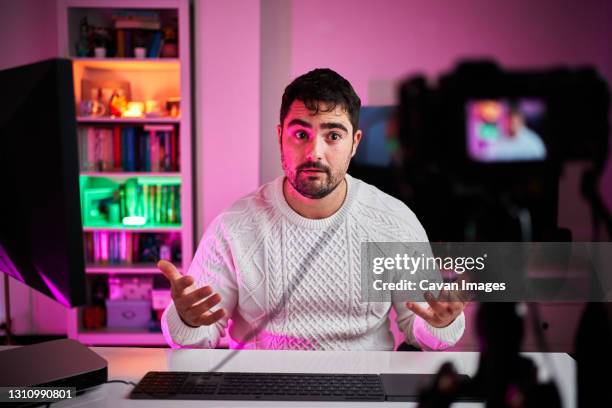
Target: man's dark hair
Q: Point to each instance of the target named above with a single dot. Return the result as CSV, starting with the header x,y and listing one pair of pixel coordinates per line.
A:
x,y
322,85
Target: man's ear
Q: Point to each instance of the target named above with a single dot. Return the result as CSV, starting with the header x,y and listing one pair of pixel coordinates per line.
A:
x,y
279,133
356,140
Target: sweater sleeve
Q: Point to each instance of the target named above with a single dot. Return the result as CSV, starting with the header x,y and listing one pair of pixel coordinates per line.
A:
x,y
416,330
212,265
423,335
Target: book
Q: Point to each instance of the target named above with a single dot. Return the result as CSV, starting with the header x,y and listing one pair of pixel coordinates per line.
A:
x,y
147,151
96,247
140,209
177,204
117,162
106,138
123,149
123,246
171,209
155,45
145,202
137,151
151,205
130,164
134,248
120,44
165,203
104,247
174,151
128,44
158,199
122,205
115,248
154,146
129,249
167,152
162,150
137,24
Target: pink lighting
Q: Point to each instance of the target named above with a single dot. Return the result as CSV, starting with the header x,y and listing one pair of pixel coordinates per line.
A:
x,y
273,341
7,265
57,294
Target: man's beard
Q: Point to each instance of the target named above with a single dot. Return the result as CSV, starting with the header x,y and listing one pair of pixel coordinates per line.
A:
x,y
310,186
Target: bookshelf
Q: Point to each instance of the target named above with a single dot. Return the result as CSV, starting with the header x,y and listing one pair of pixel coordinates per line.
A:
x,y
135,152
86,120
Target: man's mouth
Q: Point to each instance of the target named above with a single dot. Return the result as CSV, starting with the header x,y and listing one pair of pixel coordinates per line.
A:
x,y
313,170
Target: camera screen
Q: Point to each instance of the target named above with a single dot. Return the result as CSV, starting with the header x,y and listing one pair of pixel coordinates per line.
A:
x,y
505,130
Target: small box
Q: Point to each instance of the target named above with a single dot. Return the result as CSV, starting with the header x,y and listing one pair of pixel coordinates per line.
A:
x,y
128,313
125,288
160,298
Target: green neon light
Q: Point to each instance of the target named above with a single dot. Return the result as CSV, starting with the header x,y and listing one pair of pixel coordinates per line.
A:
x,y
134,220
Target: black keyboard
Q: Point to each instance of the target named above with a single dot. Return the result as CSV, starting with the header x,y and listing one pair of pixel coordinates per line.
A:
x,y
259,386
175,385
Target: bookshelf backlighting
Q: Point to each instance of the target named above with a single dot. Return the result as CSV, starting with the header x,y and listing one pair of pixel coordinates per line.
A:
x,y
131,202
134,220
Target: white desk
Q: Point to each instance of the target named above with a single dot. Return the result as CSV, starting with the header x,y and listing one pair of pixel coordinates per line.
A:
x,y
131,364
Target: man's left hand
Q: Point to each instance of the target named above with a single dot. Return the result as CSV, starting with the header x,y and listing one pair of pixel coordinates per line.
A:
x,y
438,313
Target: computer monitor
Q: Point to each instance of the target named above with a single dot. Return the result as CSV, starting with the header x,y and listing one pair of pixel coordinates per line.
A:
x,y
374,149
40,219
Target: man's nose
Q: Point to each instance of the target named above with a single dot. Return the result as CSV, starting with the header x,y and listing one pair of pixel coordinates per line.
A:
x,y
316,148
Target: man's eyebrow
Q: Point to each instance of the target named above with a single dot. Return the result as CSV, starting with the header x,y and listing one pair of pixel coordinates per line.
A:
x,y
324,125
333,125
299,122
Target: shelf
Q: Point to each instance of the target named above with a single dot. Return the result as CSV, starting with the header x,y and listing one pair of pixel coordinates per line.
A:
x,y
121,337
107,120
123,269
157,228
129,174
129,337
138,64
144,79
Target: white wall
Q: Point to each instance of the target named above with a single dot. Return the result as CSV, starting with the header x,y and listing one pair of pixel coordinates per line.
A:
x,y
227,93
275,75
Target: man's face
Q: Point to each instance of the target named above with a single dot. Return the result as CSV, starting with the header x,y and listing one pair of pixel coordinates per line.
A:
x,y
316,149
514,124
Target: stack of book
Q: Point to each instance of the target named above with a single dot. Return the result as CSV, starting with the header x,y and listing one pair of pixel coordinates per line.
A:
x,y
137,28
127,248
128,148
158,204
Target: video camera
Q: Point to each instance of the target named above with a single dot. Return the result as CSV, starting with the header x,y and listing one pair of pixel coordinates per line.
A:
x,y
484,148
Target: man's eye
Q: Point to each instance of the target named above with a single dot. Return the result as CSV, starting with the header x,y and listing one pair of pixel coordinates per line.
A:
x,y
301,135
335,136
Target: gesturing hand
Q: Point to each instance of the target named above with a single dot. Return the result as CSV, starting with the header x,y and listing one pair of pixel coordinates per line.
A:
x,y
192,304
439,313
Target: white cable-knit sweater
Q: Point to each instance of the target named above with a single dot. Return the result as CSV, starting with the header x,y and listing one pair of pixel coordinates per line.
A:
x,y
252,252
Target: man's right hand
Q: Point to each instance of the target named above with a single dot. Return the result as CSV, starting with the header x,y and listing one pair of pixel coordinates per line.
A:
x,y
192,304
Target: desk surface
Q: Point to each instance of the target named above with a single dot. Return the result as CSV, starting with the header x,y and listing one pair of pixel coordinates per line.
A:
x,y
131,364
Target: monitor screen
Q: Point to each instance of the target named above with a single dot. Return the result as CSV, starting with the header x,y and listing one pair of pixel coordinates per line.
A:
x,y
40,220
375,146
505,130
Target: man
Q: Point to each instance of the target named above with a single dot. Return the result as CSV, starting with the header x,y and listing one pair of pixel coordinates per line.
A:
x,y
519,142
286,258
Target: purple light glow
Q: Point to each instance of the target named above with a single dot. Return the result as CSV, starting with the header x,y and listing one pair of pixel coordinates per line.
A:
x,y
57,294
7,265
